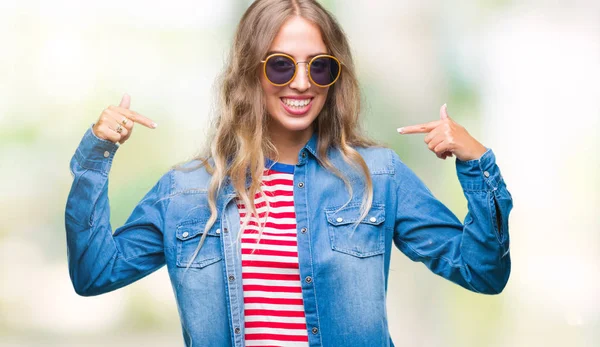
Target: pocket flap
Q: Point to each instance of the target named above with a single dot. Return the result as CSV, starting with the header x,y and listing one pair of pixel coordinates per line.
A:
x,y
351,213
193,227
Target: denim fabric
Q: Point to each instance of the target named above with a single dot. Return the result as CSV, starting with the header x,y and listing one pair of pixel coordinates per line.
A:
x,y
345,297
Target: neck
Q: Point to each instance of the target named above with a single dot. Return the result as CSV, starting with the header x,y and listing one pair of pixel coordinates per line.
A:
x,y
289,143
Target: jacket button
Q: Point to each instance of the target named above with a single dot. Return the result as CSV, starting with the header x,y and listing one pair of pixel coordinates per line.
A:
x,y
303,230
339,219
225,230
106,154
308,279
237,330
301,184
231,278
185,234
218,231
315,330
372,219
486,174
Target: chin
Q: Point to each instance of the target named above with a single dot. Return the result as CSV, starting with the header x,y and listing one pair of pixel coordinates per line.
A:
x,y
289,122
295,124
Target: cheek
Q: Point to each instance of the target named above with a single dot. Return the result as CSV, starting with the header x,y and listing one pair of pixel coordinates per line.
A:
x,y
270,91
322,96
267,97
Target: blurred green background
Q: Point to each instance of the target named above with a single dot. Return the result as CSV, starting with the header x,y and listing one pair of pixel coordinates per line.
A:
x,y
521,76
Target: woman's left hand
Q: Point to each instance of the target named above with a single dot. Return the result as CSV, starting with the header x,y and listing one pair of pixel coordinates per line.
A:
x,y
446,137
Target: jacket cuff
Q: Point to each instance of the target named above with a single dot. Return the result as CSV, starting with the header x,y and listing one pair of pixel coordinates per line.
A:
x,y
95,153
479,174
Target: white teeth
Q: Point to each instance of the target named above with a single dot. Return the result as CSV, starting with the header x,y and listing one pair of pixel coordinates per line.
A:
x,y
296,102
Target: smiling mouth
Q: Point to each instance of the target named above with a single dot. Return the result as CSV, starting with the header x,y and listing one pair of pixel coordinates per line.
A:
x,y
296,103
296,107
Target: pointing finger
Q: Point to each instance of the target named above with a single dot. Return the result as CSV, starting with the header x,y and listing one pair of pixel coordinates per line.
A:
x,y
134,116
420,128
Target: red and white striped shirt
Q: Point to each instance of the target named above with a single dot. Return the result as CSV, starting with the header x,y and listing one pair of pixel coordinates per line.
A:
x,y
274,311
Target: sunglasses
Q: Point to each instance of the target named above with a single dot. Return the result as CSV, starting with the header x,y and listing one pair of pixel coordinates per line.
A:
x,y
322,70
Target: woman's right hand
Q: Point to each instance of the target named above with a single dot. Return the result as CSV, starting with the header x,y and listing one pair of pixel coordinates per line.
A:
x,y
119,118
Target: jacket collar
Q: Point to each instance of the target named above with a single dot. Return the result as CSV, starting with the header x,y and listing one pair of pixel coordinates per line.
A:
x,y
310,146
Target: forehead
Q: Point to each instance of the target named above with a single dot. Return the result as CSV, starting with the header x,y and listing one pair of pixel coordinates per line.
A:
x,y
298,38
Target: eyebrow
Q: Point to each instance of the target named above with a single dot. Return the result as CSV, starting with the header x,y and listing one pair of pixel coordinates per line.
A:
x,y
309,56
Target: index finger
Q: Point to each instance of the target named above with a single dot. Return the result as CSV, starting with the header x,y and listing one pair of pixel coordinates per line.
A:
x,y
134,116
419,128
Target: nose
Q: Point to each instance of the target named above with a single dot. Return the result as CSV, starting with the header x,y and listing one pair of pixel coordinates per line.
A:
x,y
301,82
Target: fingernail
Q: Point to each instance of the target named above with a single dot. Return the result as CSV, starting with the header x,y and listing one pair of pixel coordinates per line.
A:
x,y
154,125
400,130
445,106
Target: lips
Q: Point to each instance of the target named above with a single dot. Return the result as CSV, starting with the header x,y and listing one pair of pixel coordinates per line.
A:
x,y
296,106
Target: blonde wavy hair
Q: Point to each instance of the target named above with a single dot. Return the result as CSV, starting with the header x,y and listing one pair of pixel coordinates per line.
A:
x,y
240,142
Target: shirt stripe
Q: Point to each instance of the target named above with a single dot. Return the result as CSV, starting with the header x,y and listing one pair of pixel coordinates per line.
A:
x,y
273,306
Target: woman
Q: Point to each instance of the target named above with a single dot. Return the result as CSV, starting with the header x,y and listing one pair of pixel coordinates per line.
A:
x,y
282,234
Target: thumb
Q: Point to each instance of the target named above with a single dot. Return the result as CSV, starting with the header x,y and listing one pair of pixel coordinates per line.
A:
x,y
125,101
444,112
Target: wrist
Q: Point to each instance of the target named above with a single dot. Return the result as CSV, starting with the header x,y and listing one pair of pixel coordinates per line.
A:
x,y
481,149
474,154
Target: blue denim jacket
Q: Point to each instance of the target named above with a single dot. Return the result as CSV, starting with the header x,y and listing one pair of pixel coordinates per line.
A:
x,y
344,279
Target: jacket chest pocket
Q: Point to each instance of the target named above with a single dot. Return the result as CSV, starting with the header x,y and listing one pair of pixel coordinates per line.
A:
x,y
366,239
188,235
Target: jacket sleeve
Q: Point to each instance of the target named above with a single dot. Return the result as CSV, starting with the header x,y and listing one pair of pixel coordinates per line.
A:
x,y
474,255
100,261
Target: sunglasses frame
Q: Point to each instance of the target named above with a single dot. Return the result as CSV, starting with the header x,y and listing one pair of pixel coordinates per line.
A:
x,y
264,62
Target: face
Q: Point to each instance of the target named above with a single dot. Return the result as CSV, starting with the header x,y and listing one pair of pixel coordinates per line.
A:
x,y
302,40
